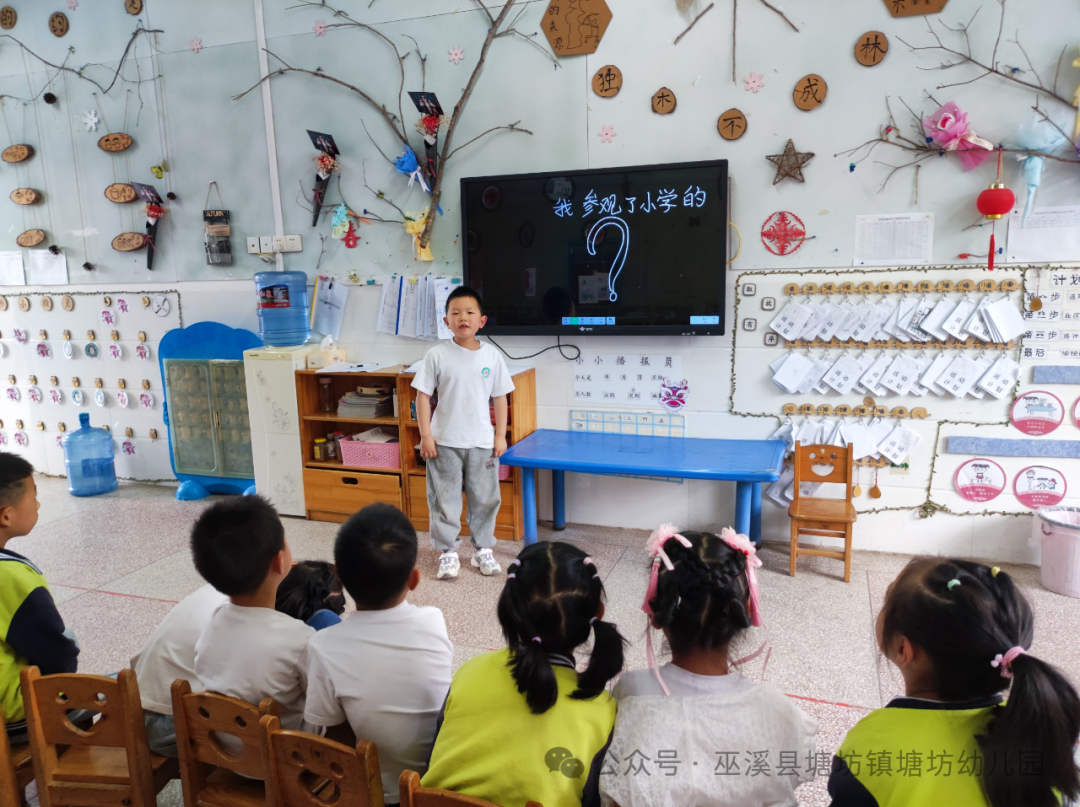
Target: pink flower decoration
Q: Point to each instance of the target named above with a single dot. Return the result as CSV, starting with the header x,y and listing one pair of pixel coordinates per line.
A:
x,y
753,82
655,545
319,28
196,46
73,4
607,133
948,128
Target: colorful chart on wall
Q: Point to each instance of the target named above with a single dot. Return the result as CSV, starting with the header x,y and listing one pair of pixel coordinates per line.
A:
x,y
1039,486
980,480
1037,412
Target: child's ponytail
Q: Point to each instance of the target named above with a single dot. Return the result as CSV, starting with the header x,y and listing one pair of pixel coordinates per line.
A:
x,y
529,663
605,663
1028,752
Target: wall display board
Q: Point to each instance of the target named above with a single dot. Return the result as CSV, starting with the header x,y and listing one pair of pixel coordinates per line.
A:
x,y
980,480
1039,486
1037,412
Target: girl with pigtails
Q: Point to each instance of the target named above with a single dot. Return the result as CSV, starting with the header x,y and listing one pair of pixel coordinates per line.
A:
x,y
521,724
713,738
959,632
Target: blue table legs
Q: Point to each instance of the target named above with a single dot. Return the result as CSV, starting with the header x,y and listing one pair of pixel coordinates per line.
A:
x,y
558,499
755,515
744,494
528,501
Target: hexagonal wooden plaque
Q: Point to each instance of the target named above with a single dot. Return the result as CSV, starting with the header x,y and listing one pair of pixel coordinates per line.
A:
x,y
912,8
575,27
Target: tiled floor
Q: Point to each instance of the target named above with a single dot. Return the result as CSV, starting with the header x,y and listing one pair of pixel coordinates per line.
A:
x,y
117,563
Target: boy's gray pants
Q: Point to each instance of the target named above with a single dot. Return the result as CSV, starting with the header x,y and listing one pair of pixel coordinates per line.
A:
x,y
479,470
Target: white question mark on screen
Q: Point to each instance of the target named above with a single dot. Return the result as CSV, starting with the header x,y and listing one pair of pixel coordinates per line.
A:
x,y
620,256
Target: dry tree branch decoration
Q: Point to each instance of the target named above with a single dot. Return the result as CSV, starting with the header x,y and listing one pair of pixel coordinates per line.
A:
x,y
734,21
958,58
498,27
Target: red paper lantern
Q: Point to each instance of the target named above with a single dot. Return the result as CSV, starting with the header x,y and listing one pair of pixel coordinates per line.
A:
x,y
996,201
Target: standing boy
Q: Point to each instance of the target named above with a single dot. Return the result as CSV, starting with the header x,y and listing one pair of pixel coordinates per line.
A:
x,y
31,629
458,441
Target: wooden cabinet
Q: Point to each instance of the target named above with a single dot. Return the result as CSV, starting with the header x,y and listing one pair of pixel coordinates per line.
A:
x,y
334,491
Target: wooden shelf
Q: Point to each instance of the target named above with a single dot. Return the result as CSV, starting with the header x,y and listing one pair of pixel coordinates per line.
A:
x,y
419,470
337,466
383,372
384,420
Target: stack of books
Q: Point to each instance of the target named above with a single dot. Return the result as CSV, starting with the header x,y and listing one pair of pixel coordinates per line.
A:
x,y
366,402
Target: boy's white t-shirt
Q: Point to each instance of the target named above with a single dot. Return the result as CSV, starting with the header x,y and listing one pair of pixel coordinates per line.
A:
x,y
386,673
169,653
255,653
465,380
716,721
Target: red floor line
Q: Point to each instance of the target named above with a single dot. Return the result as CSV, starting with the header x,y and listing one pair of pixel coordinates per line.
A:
x,y
118,593
829,703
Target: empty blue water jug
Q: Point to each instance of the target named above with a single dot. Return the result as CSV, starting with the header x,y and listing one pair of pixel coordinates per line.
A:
x,y
88,456
284,311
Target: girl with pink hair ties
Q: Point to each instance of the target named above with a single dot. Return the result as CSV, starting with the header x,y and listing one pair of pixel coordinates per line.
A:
x,y
705,735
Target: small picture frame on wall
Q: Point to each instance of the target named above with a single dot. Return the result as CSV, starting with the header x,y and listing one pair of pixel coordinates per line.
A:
x,y
749,289
749,324
772,339
768,303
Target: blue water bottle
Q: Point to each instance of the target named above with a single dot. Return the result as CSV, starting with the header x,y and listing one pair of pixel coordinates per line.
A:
x,y
88,456
284,312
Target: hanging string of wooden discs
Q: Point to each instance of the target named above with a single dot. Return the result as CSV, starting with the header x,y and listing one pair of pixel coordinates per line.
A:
x,y
78,187
40,148
11,141
1036,301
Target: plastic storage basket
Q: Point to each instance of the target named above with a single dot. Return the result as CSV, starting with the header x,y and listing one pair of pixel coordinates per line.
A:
x,y
1057,529
504,472
370,455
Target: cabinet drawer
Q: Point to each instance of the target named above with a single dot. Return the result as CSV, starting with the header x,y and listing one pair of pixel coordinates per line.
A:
x,y
336,495
419,509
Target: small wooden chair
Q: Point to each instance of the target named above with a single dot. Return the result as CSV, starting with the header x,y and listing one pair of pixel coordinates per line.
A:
x,y
16,768
110,763
213,776
412,795
831,518
310,771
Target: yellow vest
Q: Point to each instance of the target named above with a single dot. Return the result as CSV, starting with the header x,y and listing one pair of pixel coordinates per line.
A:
x,y
491,746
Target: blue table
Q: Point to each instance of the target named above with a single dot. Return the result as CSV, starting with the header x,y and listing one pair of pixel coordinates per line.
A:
x,y
748,463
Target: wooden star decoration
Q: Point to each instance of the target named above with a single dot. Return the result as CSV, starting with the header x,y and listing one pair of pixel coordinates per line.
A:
x,y
790,163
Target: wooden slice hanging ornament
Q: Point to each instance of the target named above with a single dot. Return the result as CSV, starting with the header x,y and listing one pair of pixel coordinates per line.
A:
x,y
129,242
120,193
25,196
663,101
871,48
133,6
731,124
24,304
810,92
16,154
575,27
875,491
115,141
58,23
608,81
911,8
856,491
67,302
46,305
3,303
31,238
8,18
1035,304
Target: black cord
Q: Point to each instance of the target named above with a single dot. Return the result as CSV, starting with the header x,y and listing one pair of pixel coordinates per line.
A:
x,y
557,346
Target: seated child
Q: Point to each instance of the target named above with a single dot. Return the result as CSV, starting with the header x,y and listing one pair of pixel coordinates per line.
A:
x,y
521,724
32,631
384,671
307,593
701,595
958,631
248,650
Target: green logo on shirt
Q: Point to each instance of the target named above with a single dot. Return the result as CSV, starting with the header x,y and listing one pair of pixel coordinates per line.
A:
x,y
486,372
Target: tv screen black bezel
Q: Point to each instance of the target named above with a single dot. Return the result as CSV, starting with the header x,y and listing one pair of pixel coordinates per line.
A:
x,y
607,330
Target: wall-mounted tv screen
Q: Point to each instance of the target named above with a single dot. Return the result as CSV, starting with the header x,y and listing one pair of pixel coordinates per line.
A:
x,y
637,250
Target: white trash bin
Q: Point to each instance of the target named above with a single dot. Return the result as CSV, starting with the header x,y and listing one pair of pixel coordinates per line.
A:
x,y
1057,529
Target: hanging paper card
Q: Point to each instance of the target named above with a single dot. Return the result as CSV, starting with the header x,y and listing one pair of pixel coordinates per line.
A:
x,y
813,376
984,365
787,433
901,315
790,321
1006,318
888,307
852,315
859,439
916,387
959,376
821,386
864,363
1037,412
937,317
1039,486
922,309
808,434
872,377
975,325
933,372
792,372
777,488
954,325
901,375
834,315
868,325
1000,378
899,444
809,330
843,375
980,480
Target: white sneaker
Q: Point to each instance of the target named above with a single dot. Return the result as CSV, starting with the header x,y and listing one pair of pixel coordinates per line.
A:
x,y
485,561
449,565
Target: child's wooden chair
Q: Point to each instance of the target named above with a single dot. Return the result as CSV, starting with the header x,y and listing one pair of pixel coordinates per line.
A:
x,y
412,795
213,775
310,771
109,763
830,518
16,768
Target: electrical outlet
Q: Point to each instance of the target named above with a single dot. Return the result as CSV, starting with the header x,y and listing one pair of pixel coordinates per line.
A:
x,y
266,244
279,243
293,244
253,245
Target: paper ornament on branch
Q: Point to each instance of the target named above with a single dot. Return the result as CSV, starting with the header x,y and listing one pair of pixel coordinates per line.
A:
x,y
154,212
325,165
1036,135
414,226
948,128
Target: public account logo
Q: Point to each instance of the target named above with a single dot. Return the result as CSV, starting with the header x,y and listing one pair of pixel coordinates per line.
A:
x,y
561,760
486,372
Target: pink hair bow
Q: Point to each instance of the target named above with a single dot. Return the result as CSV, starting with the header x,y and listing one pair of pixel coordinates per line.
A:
x,y
948,128
655,547
740,543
